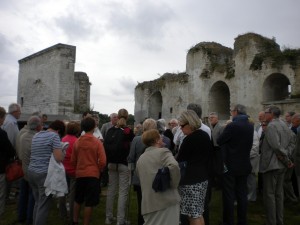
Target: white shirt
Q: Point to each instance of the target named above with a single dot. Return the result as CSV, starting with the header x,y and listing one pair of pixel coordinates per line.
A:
x,y
97,133
179,136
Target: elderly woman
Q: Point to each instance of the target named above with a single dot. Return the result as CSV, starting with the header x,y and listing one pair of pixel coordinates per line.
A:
x,y
158,207
72,133
44,144
137,148
195,150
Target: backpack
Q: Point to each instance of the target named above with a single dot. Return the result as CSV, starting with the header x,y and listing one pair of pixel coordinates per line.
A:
x,y
114,145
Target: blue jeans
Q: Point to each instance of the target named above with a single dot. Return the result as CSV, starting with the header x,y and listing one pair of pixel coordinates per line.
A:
x,y
26,202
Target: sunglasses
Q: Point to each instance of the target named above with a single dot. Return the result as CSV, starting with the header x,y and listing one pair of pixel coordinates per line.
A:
x,y
183,125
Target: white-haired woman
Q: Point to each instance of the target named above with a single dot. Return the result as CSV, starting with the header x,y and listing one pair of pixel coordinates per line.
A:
x,y
158,207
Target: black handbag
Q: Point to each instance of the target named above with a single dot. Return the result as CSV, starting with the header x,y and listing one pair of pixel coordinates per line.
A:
x,y
182,167
162,180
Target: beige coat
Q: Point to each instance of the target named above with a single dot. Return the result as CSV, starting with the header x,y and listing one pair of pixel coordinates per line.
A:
x,y
150,161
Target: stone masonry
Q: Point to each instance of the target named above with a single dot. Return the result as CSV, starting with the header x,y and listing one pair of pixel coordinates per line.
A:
x,y
255,73
47,83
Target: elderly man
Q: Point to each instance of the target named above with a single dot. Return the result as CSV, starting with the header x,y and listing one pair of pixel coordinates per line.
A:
x,y
261,118
173,125
113,122
26,200
236,143
288,118
10,124
216,127
296,125
289,190
259,129
273,163
296,156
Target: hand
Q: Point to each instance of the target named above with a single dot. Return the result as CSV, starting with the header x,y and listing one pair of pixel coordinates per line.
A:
x,y
131,166
291,164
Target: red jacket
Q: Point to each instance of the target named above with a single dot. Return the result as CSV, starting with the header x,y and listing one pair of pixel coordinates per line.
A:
x,y
70,170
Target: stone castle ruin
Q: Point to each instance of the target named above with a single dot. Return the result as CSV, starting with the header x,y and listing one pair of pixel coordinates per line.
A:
x,y
48,84
256,73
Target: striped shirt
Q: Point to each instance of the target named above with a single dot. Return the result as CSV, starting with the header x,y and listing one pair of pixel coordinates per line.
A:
x,y
43,144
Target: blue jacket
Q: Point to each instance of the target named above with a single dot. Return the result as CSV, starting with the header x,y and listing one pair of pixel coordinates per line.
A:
x,y
236,143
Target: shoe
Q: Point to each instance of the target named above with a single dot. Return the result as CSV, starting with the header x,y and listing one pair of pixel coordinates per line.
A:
x,y
110,220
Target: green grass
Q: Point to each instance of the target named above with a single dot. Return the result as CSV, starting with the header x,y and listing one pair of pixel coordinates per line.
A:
x,y
255,212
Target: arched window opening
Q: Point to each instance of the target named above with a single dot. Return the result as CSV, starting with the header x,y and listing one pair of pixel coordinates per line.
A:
x,y
276,87
219,100
155,106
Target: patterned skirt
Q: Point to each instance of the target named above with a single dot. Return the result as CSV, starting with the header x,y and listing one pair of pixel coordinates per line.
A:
x,y
192,199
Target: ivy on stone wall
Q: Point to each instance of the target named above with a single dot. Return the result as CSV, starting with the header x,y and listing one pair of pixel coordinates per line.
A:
x,y
81,108
277,59
220,58
269,52
160,83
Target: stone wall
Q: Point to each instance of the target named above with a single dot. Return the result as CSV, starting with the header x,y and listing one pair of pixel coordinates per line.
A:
x,y
47,82
81,92
255,73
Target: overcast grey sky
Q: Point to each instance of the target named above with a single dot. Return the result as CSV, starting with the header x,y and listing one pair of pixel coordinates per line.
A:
x,y
120,43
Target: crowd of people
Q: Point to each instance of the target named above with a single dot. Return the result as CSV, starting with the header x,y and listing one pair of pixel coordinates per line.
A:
x,y
73,160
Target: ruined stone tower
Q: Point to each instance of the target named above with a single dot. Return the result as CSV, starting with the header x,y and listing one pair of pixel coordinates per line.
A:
x,y
47,82
255,73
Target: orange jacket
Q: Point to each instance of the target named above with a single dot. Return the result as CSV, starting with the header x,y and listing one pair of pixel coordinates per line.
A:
x,y
88,156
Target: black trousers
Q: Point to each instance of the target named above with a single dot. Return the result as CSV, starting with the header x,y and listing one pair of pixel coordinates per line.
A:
x,y
234,188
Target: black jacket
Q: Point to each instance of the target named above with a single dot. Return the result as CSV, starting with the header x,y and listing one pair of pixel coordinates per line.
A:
x,y
196,150
7,151
236,143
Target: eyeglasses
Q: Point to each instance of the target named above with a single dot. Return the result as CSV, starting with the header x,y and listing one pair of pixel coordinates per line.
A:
x,y
183,125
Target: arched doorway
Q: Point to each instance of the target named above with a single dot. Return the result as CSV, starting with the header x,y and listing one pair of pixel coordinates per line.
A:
x,y
219,99
276,87
155,105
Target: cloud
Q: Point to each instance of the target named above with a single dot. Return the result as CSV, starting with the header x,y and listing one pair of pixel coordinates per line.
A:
x,y
75,27
6,49
144,23
8,69
125,86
